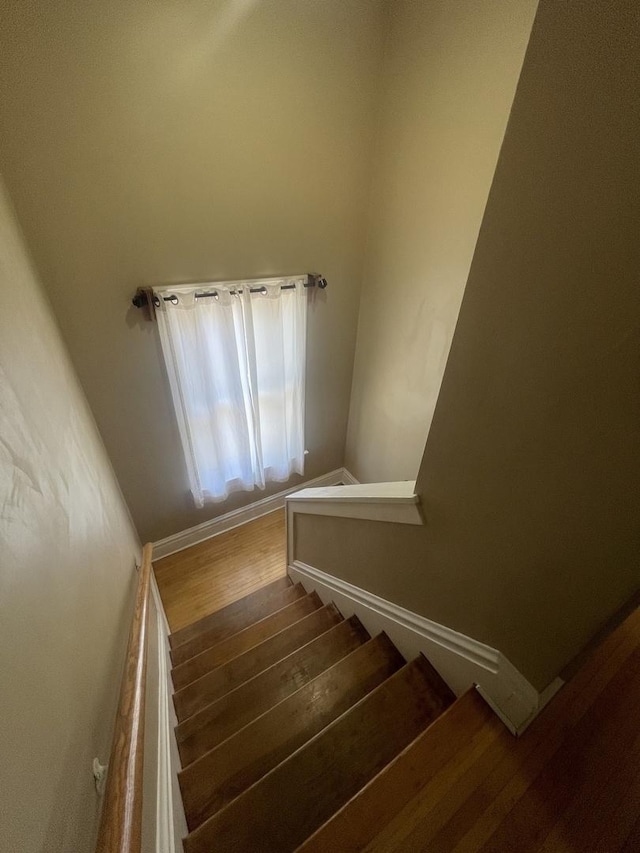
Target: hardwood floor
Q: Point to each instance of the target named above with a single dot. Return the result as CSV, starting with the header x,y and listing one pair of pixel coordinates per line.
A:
x,y
200,580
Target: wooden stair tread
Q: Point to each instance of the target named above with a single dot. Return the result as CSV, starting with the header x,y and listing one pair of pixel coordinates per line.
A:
x,y
468,784
359,821
212,686
244,640
235,622
223,718
219,617
327,771
226,771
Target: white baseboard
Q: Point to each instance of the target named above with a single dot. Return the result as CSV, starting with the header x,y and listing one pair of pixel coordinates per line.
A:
x,y
461,661
222,523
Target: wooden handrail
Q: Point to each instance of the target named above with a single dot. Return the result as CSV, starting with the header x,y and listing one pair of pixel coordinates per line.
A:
x,y
121,822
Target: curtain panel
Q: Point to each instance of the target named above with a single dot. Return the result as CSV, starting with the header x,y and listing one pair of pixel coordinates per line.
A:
x,y
236,369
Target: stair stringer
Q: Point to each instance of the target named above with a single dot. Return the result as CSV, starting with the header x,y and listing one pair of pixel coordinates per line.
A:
x,y
170,821
460,660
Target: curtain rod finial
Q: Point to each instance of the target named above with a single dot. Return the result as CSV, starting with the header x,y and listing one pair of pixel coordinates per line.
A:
x,y
144,298
317,279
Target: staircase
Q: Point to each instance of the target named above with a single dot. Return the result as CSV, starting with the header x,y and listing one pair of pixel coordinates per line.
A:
x,y
286,711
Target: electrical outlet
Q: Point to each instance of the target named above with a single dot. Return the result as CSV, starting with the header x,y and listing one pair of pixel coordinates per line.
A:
x,y
99,774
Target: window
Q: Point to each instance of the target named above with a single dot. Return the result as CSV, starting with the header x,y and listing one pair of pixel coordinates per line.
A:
x,y
235,357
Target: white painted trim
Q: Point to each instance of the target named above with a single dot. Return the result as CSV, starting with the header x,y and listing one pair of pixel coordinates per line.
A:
x,y
222,523
399,512
171,824
402,492
157,600
461,661
165,834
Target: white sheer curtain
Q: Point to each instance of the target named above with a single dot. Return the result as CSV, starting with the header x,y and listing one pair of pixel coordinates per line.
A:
x,y
236,366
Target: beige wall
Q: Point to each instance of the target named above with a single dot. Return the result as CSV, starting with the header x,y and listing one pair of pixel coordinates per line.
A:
x,y
530,474
449,77
205,139
67,554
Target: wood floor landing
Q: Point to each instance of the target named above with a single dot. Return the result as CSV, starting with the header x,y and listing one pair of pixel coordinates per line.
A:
x,y
204,578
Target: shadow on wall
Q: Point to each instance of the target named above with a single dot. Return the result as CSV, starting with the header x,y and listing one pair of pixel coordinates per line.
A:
x,y
529,480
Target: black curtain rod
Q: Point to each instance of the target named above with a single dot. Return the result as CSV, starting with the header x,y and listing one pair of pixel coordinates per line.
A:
x,y
140,300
